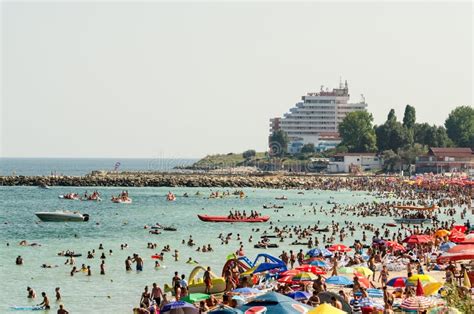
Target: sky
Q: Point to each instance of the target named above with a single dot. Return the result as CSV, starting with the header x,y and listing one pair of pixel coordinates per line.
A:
x,y
157,79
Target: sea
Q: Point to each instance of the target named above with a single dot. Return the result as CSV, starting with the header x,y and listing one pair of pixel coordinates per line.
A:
x,y
83,166
111,225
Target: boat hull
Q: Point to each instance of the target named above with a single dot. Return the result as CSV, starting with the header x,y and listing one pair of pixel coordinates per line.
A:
x,y
61,217
207,218
416,221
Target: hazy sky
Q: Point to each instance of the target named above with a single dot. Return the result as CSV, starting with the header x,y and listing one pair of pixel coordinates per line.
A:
x,y
188,79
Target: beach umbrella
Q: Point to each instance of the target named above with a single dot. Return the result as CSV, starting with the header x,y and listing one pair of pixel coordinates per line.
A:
x,y
452,257
432,287
274,303
225,310
466,282
314,252
397,282
339,280
416,303
246,291
444,310
304,276
373,293
291,272
326,308
417,239
363,281
311,268
423,278
339,248
395,246
462,248
195,297
319,263
446,246
419,289
326,296
286,279
179,307
346,270
364,271
299,295
457,236
441,233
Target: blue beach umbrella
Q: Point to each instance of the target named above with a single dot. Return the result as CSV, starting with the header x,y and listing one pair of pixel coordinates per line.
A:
x,y
319,263
275,303
339,280
226,310
299,295
373,293
446,246
179,307
246,290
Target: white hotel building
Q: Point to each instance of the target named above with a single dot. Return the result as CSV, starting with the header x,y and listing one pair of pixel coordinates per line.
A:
x,y
316,118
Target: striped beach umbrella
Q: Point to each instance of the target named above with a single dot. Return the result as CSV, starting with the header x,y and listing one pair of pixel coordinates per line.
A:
x,y
416,303
397,282
304,276
291,272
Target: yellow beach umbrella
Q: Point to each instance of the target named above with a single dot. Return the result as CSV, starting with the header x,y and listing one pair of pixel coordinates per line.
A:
x,y
466,282
326,308
431,288
364,271
423,278
442,233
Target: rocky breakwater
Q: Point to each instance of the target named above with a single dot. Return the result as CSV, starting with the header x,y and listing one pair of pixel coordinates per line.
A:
x,y
144,179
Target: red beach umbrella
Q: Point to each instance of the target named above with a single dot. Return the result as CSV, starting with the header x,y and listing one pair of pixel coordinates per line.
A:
x,y
464,248
339,248
395,246
291,272
286,279
417,239
364,282
312,269
457,236
419,289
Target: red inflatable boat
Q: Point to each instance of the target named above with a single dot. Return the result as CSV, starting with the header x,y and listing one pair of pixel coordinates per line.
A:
x,y
227,219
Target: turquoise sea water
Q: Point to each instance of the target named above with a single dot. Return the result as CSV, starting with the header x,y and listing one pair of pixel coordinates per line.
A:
x,y
82,166
113,224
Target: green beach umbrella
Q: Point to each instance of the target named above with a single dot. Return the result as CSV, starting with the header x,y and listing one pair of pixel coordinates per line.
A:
x,y
195,297
346,270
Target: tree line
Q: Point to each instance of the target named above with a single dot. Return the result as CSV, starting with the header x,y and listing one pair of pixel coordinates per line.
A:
x,y
399,142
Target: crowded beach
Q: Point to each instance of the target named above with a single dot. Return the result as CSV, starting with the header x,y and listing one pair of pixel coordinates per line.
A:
x,y
418,259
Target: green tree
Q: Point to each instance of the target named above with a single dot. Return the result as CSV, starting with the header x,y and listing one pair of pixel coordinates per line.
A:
x,y
409,154
409,117
307,148
392,135
391,161
278,143
249,154
460,126
357,132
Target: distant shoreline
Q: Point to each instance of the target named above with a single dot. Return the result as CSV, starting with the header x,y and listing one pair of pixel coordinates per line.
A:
x,y
165,179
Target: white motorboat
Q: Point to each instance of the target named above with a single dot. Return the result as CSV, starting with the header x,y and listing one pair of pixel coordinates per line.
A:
x,y
62,216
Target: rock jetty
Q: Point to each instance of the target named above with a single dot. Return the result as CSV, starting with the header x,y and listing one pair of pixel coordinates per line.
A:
x,y
143,179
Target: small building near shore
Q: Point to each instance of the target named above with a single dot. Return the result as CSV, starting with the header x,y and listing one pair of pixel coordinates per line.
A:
x,y
354,163
446,159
